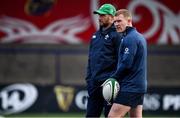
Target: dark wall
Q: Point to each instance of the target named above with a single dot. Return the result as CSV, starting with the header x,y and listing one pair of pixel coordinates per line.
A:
x,y
52,64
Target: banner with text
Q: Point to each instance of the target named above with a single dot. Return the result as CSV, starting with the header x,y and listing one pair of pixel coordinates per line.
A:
x,y
29,98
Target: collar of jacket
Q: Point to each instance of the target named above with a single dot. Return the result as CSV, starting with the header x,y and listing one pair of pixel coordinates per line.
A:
x,y
112,28
127,30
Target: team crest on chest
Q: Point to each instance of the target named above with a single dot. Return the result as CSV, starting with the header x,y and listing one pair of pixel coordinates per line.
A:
x,y
126,51
106,37
94,36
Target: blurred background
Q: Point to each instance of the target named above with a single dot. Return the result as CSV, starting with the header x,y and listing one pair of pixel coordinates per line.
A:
x,y
44,50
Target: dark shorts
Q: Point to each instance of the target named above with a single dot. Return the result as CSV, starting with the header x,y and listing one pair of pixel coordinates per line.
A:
x,y
130,99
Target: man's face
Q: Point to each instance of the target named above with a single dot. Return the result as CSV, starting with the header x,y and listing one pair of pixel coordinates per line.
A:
x,y
120,23
105,20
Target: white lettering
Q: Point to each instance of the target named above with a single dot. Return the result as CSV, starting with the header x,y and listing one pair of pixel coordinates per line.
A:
x,y
151,102
171,101
81,99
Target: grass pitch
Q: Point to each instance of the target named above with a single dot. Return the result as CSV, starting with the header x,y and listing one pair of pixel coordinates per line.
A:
x,y
77,115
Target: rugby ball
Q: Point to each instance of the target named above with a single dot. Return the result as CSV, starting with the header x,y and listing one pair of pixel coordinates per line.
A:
x,y
110,89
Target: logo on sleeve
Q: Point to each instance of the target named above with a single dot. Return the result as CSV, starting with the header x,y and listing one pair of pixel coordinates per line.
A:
x,y
126,51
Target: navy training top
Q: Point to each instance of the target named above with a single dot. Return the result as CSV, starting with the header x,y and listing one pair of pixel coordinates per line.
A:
x,y
132,62
103,56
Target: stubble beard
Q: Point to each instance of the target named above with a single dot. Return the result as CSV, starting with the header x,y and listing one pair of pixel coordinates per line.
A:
x,y
103,24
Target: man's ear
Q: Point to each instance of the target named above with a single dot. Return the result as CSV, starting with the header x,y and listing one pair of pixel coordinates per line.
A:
x,y
129,21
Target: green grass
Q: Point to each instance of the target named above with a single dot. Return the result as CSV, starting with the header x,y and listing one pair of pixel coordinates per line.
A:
x,y
45,115
73,115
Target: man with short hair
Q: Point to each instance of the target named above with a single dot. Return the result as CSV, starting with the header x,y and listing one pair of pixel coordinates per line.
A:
x,y
131,69
102,61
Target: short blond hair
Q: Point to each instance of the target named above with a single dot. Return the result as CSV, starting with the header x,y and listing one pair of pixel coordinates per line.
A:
x,y
125,13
